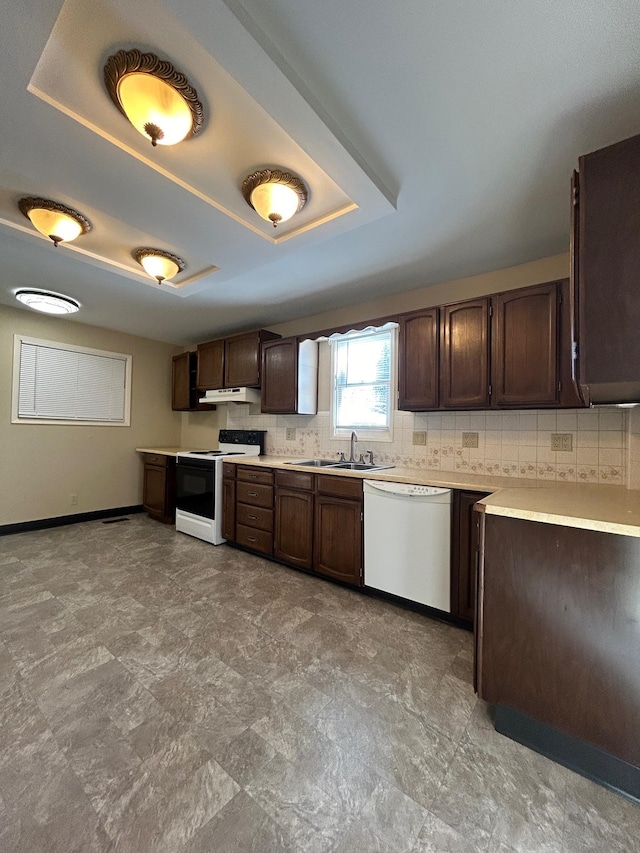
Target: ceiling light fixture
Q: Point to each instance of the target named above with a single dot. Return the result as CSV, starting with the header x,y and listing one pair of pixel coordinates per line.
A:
x,y
47,302
54,220
274,195
157,99
159,264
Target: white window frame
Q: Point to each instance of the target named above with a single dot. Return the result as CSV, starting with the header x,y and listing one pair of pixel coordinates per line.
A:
x,y
372,434
18,340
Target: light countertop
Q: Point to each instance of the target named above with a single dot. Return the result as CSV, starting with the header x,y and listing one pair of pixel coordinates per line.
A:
x,y
609,509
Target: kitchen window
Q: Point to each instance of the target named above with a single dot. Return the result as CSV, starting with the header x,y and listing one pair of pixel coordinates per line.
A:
x,y
55,383
363,371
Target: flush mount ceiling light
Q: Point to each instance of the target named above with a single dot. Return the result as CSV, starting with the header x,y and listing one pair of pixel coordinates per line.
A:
x,y
159,264
56,221
49,303
157,99
274,195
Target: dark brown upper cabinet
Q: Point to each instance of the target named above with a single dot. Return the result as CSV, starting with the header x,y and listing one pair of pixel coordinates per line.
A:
x,y
184,394
242,359
418,339
606,272
210,371
290,377
232,362
464,355
525,346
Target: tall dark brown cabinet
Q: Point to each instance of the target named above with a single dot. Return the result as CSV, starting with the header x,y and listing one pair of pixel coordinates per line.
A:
x,y
606,272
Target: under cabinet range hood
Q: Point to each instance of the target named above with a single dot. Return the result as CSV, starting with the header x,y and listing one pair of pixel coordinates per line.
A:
x,y
231,395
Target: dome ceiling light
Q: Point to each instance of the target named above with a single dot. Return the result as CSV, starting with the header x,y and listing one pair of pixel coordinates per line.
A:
x,y
157,99
47,302
54,220
274,195
162,266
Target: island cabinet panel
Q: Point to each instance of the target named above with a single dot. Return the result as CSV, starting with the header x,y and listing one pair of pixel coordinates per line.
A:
x,y
419,339
606,271
558,630
525,346
464,355
210,369
465,553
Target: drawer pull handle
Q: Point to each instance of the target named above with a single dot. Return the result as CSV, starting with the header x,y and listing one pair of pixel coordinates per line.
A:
x,y
253,517
252,538
252,494
253,476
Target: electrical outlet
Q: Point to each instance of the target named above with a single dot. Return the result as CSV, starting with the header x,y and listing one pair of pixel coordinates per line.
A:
x,y
74,500
291,433
469,439
562,441
420,438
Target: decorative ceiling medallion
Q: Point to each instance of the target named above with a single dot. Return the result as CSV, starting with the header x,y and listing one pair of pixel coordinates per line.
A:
x,y
154,96
275,195
161,265
54,220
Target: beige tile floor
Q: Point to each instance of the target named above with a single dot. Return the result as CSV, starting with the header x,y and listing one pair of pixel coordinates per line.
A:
x,y
159,694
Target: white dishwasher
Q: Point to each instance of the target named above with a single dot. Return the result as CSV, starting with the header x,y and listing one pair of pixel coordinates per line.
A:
x,y
407,541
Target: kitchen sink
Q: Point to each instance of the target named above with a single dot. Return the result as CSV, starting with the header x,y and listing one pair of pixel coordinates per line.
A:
x,y
315,463
341,466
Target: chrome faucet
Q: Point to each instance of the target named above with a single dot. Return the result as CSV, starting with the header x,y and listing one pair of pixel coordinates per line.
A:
x,y
354,438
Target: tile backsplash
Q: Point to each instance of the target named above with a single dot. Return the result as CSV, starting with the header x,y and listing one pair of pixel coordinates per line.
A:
x,y
510,444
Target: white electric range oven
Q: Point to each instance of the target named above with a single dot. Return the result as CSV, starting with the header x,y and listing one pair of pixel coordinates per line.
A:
x,y
199,482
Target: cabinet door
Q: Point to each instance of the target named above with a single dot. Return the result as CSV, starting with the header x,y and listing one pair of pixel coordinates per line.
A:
x,y
229,508
338,539
181,383
210,373
293,541
242,361
465,549
464,355
418,361
280,376
609,271
525,346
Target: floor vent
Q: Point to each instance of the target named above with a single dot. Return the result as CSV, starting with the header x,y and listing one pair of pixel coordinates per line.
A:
x,y
114,520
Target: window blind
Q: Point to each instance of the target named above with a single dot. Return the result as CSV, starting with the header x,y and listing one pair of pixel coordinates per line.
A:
x,y
72,384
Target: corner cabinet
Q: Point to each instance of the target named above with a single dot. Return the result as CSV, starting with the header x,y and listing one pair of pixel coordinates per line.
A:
x,y
290,377
184,393
159,487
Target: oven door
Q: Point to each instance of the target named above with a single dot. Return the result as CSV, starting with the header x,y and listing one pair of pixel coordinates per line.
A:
x,y
195,487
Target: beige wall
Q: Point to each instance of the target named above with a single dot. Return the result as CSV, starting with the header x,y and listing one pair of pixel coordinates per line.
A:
x,y
536,272
42,465
200,429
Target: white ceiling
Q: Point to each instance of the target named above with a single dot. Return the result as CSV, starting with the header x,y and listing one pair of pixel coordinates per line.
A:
x,y
437,141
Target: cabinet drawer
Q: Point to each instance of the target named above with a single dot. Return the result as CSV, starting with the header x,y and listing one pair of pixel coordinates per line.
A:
x,y
228,471
295,480
256,495
342,487
156,459
254,516
255,475
258,540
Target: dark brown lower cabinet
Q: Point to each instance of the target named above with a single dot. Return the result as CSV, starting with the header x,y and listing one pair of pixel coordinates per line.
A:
x,y
228,501
465,553
338,537
558,631
159,487
293,534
